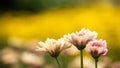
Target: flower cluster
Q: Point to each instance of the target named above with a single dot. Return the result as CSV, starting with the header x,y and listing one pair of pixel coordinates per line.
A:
x,y
84,39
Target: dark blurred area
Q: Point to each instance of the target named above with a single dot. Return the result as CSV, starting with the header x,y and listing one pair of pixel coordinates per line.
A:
x,y
39,5
34,5
25,5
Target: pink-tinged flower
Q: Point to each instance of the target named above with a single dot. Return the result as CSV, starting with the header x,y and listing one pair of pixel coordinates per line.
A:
x,y
53,47
97,48
81,38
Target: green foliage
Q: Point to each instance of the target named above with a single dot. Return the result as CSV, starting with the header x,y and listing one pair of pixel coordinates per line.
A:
x,y
3,42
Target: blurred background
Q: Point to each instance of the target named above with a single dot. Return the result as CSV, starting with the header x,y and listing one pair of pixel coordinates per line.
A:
x,y
25,22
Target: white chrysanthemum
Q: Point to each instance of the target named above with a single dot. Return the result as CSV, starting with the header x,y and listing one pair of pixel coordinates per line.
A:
x,y
80,39
53,47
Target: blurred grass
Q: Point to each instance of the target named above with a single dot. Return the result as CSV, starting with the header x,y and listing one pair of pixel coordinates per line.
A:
x,y
55,23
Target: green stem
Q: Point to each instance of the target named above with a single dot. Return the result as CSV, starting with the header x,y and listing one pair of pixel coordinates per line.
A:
x,y
81,58
96,62
58,62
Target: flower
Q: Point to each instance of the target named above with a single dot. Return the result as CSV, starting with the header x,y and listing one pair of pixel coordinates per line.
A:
x,y
53,47
97,48
9,56
81,38
31,59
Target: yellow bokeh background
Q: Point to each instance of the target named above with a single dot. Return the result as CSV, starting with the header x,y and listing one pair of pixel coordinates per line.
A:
x,y
61,21
55,23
